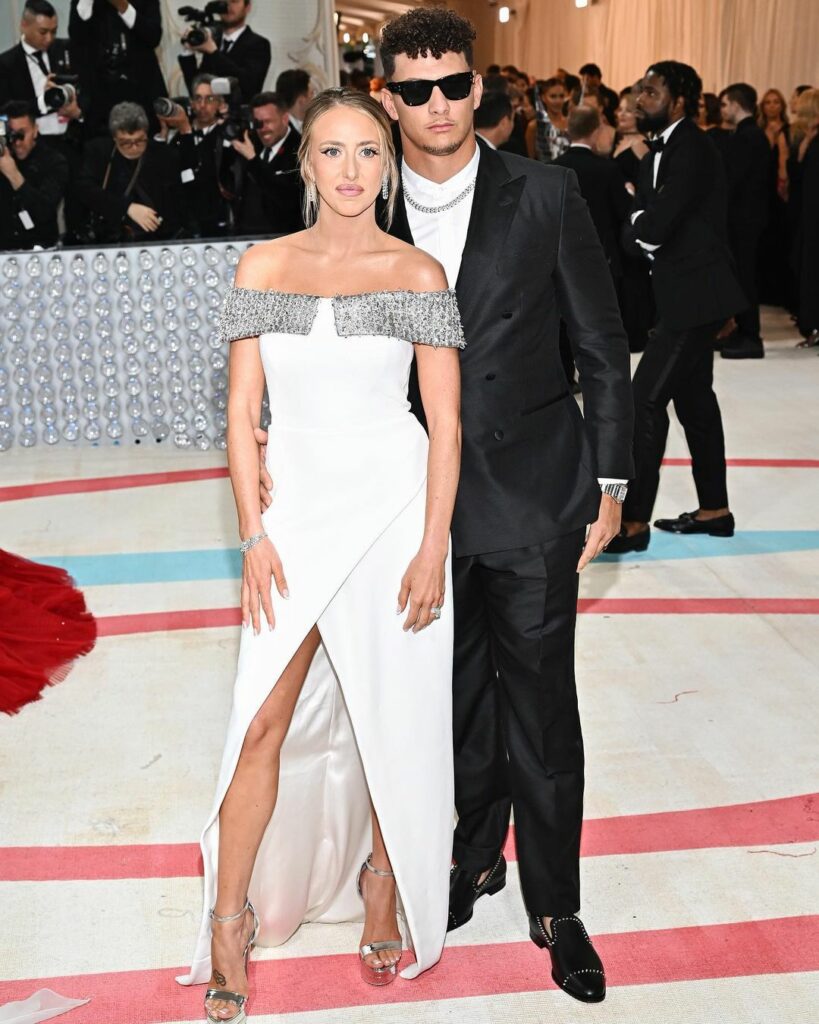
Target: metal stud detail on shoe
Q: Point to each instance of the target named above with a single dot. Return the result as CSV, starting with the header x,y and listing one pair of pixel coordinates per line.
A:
x,y
424,318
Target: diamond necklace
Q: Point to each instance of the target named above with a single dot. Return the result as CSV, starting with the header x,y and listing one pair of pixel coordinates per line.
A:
x,y
437,209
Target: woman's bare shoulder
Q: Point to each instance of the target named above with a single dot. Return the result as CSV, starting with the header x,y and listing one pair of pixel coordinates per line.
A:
x,y
417,270
263,265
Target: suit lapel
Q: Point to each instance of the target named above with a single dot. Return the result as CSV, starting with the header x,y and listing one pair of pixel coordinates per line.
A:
x,y
23,72
677,138
493,209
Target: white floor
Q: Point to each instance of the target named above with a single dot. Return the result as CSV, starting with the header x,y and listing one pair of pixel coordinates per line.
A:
x,y
125,753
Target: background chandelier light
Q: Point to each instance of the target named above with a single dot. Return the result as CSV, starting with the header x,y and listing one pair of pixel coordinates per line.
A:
x,y
115,345
503,15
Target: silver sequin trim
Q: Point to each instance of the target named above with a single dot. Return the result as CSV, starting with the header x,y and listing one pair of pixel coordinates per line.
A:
x,y
425,318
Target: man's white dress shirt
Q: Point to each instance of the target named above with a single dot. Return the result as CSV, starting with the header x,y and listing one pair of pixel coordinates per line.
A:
x,y
665,136
48,123
443,235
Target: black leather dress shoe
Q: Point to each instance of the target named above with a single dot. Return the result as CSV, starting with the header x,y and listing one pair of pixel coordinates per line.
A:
x,y
465,891
576,967
742,348
687,522
622,543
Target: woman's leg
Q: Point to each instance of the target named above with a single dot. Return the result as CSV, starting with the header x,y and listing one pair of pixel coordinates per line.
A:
x,y
243,818
381,911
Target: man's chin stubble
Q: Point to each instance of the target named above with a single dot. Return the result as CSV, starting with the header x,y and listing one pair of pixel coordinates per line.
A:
x,y
446,150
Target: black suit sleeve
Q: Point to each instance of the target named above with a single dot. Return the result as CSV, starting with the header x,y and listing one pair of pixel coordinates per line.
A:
x,y
6,78
619,199
148,25
41,194
89,188
588,304
684,189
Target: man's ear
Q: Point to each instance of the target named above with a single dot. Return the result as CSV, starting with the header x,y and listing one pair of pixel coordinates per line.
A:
x,y
477,91
388,103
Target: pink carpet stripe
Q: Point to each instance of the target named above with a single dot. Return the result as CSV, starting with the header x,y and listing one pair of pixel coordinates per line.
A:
x,y
764,823
108,483
209,618
87,485
756,463
302,984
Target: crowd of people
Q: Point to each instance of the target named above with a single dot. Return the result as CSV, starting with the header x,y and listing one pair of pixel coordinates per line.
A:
x,y
95,152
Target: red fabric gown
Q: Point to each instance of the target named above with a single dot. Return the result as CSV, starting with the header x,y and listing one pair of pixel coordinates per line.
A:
x,y
44,627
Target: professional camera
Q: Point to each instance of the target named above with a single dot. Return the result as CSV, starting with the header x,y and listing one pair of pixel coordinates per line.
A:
x,y
7,136
166,107
239,117
203,20
64,90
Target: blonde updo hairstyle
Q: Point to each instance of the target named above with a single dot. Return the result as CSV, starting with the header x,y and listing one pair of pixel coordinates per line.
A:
x,y
364,104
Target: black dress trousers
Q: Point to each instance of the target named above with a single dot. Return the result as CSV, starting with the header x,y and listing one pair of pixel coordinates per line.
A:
x,y
516,726
677,366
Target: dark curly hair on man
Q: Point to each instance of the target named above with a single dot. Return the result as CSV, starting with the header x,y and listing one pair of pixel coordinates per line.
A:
x,y
426,31
681,80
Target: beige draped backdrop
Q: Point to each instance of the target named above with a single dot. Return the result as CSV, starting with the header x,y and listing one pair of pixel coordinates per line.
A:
x,y
764,42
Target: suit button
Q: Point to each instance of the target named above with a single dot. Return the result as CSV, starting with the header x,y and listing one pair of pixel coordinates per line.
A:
x,y
490,376
506,316
498,435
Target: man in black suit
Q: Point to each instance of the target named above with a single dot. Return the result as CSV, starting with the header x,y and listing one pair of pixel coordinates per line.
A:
x,y
516,241
747,157
32,182
678,221
27,73
233,51
494,118
270,190
295,89
129,183
113,45
601,184
204,160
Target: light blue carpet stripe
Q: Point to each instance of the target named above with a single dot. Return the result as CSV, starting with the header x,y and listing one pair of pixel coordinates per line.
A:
x,y
226,564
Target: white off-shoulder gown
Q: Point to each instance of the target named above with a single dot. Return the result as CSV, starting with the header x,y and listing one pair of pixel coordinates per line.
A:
x,y
348,462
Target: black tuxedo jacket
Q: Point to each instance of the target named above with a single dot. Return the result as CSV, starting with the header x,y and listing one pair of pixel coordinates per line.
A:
x,y
530,460
248,60
203,168
157,186
136,76
692,271
271,192
747,156
46,177
602,186
15,76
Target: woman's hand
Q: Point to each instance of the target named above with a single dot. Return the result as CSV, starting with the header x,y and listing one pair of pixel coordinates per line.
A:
x,y
259,565
423,587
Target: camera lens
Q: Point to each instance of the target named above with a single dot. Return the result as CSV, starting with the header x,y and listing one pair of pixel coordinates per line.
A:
x,y
163,107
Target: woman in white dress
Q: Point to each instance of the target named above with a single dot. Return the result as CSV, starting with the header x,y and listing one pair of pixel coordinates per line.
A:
x,y
339,744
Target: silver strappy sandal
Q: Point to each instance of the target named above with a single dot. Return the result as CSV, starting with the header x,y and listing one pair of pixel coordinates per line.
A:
x,y
384,974
240,1017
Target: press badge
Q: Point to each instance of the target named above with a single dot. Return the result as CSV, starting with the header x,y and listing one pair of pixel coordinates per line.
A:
x,y
25,220
187,175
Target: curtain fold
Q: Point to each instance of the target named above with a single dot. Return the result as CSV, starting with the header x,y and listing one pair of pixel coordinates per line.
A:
x,y
764,42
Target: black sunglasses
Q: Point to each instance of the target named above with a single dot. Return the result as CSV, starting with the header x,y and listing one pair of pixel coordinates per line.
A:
x,y
417,91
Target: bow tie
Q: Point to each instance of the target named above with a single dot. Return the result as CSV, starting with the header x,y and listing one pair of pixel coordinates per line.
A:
x,y
656,145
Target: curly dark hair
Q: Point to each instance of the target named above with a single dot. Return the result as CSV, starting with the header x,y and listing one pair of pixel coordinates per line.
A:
x,y
426,31
681,80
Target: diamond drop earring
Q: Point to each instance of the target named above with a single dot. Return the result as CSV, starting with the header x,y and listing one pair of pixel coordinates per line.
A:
x,y
312,198
385,187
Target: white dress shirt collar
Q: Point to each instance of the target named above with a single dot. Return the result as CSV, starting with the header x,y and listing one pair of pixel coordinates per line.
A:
x,y
483,138
440,192
269,153
231,37
665,135
580,145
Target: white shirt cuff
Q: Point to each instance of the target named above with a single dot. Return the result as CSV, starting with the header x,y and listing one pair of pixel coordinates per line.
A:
x,y
129,16
636,214
41,105
603,480
85,9
647,246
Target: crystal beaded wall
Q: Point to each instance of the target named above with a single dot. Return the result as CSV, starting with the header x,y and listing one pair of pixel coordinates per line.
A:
x,y
115,345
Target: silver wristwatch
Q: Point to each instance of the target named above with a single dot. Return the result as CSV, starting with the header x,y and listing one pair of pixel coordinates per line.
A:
x,y
616,491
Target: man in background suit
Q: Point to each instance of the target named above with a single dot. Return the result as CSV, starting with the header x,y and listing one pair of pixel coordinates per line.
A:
x,y
747,157
601,184
113,45
270,189
233,51
494,118
678,221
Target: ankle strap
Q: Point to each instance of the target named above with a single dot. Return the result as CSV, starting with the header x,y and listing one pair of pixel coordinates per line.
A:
x,y
219,919
381,874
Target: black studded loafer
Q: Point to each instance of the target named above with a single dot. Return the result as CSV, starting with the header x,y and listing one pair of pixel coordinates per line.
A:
x,y
622,544
465,891
576,967
687,522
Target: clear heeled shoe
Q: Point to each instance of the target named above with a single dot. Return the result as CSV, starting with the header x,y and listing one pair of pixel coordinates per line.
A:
x,y
383,974
240,1017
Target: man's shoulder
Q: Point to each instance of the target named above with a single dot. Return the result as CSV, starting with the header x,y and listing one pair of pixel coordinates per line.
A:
x,y
9,57
254,39
552,176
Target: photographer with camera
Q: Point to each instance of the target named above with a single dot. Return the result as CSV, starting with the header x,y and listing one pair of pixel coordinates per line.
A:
x,y
199,140
113,44
132,190
39,70
270,187
229,47
32,181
